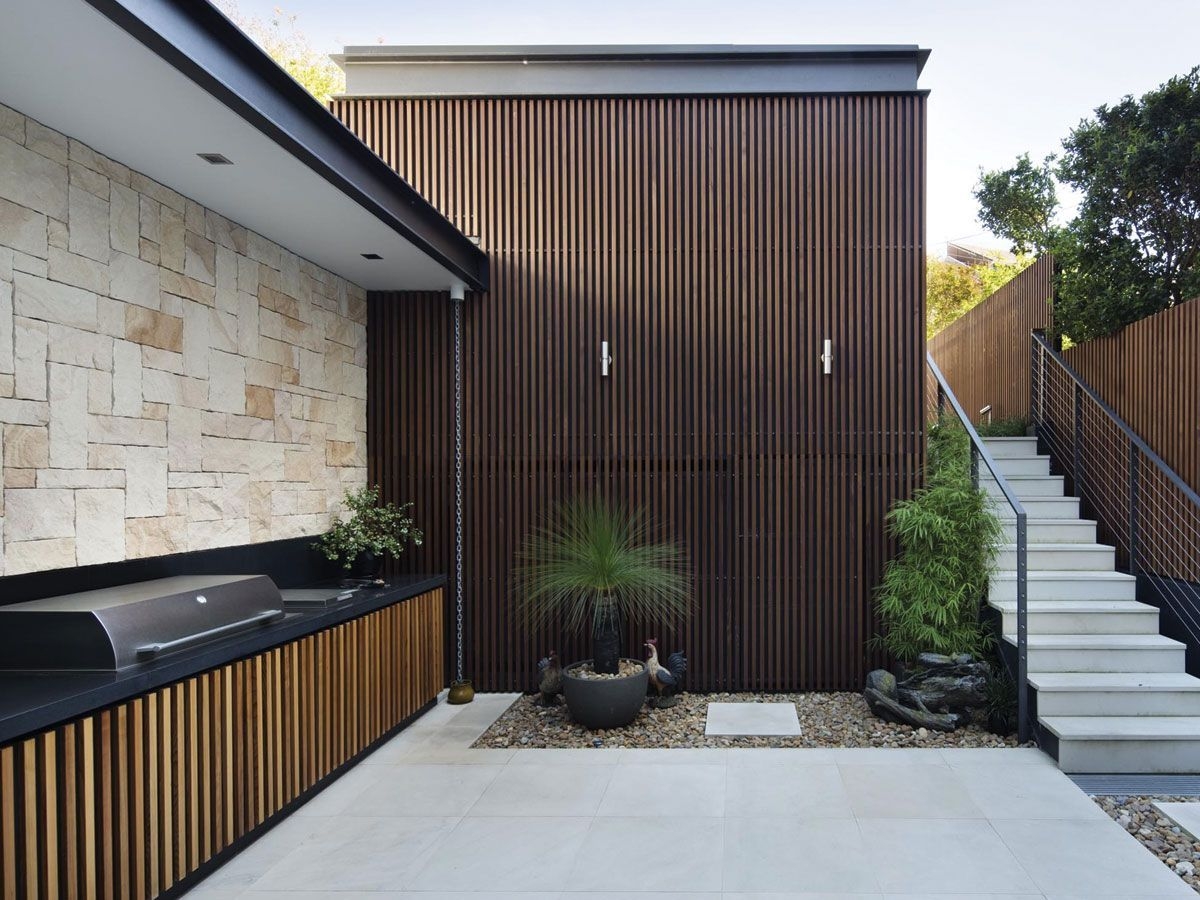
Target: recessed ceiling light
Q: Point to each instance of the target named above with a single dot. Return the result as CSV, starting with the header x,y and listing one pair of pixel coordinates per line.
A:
x,y
371,256
215,159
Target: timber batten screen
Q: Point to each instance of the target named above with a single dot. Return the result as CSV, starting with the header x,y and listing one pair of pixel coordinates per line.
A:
x,y
714,243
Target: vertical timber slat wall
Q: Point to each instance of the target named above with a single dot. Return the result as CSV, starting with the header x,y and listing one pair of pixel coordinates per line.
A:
x,y
714,242
1149,372
130,800
985,354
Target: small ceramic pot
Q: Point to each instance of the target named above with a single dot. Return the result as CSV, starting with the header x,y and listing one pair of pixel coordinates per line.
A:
x,y
461,692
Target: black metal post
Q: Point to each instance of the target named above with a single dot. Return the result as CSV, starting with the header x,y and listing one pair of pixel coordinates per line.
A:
x,y
974,467
1022,630
1034,349
1134,498
941,400
1077,467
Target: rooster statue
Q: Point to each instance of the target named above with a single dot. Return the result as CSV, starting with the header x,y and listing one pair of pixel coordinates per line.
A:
x,y
668,679
549,679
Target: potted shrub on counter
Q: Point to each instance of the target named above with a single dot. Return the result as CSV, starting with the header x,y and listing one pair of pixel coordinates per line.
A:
x,y
598,566
373,531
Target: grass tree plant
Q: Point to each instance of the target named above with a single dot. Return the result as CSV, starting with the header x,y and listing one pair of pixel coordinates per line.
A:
x,y
598,564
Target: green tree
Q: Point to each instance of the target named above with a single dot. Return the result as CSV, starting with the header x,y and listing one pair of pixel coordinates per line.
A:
x,y
1019,203
952,289
285,44
1133,247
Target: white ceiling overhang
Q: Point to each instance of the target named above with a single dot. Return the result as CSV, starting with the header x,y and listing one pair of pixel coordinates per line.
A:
x,y
153,83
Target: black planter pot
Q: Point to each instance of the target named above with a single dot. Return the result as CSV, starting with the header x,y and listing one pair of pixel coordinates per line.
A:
x,y
366,565
604,702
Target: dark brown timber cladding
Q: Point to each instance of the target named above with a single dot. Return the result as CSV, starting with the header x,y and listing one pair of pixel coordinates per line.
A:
x,y
128,801
714,243
985,354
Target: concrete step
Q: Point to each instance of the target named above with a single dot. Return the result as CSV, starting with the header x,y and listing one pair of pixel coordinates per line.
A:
x,y
1052,531
1044,557
1025,486
1020,465
1064,585
1001,447
1081,617
1037,508
1118,744
1103,653
1116,693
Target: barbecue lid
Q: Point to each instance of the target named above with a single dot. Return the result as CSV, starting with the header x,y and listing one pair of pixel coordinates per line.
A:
x,y
116,627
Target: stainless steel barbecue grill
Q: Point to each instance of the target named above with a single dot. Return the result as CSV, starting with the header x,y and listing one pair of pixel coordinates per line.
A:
x,y
117,627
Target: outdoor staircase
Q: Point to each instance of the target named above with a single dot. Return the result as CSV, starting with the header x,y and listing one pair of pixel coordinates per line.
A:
x,y
1112,693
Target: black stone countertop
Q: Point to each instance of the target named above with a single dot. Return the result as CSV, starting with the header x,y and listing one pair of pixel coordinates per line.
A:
x,y
34,701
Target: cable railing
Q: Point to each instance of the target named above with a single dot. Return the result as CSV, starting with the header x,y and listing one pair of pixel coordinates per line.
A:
x,y
1141,505
940,396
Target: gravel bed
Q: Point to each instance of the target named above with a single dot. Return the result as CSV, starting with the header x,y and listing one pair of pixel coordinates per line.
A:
x,y
1175,847
826,720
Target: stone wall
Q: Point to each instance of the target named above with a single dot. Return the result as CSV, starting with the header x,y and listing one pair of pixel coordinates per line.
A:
x,y
169,380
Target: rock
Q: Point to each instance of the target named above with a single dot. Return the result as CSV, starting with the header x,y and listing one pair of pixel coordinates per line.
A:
x,y
1185,868
882,681
893,711
947,684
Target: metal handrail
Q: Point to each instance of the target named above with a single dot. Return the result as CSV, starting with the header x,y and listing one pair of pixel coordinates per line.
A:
x,y
1148,511
979,451
1039,341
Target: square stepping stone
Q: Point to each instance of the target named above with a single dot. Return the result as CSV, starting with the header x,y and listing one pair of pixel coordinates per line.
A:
x,y
752,719
1184,814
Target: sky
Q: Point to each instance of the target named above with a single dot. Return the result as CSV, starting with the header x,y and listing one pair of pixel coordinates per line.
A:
x,y
1003,78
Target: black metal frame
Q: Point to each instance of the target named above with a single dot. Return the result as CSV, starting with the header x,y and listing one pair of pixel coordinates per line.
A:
x,y
202,44
979,452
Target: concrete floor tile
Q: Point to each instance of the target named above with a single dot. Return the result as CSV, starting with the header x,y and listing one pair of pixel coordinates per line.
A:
x,y
694,755
790,854
780,756
876,791
423,791
334,799
1096,859
359,854
505,854
559,756
986,756
1026,792
248,866
941,856
442,756
804,792
887,756
544,791
650,854
665,790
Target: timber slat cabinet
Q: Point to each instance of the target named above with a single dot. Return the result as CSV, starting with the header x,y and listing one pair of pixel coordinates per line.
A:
x,y
131,800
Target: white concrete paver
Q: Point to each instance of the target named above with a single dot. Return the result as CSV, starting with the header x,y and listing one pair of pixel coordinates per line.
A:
x,y
752,719
427,817
1185,814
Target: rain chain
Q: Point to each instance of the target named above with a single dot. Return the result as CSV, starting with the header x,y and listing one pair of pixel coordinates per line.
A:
x,y
458,486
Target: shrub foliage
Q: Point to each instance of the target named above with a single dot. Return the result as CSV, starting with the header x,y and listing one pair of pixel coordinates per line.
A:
x,y
930,596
